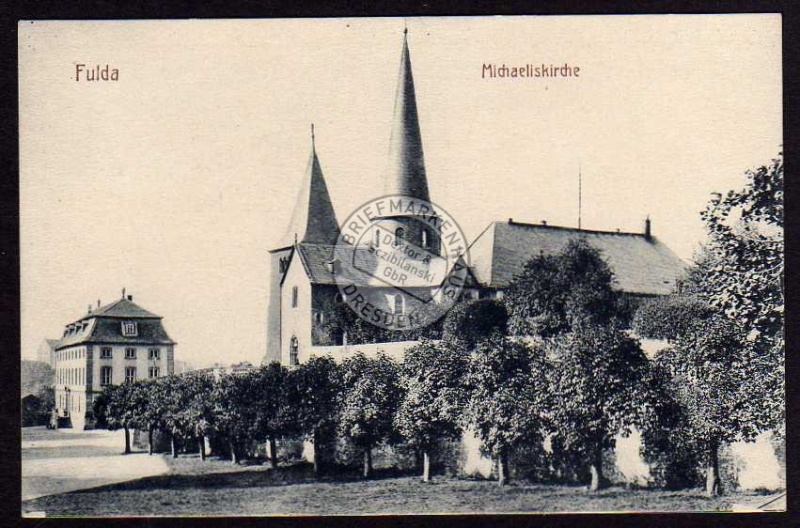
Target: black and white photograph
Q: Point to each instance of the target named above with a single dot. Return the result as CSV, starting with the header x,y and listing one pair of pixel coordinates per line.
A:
x,y
401,266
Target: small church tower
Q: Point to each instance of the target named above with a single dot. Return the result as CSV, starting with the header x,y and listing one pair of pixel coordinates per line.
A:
x,y
313,222
405,173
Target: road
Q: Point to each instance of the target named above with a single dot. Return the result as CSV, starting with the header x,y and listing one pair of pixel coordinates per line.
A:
x,y
56,462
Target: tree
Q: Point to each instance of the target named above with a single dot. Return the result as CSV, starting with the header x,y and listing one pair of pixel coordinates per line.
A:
x,y
369,399
509,397
433,382
231,404
670,317
473,321
557,293
597,382
116,408
271,406
314,388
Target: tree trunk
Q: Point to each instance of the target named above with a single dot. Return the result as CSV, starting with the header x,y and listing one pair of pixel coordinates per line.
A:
x,y
596,469
713,486
127,441
150,440
234,453
317,461
367,462
426,467
273,452
173,442
502,470
202,445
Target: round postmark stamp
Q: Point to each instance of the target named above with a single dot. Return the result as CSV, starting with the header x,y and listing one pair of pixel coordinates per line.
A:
x,y
400,263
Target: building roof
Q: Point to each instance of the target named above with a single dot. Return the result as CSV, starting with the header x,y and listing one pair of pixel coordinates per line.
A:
x,y
313,218
405,174
103,325
641,263
124,307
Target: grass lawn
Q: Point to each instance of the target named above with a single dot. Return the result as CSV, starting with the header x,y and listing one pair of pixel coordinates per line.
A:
x,y
217,487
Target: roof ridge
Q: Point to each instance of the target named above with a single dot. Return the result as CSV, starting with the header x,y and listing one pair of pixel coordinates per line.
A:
x,y
567,228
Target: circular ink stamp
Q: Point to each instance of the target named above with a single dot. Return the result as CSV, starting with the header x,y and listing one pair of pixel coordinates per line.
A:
x,y
400,263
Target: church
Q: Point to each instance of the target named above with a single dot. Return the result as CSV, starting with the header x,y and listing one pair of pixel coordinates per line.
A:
x,y
303,288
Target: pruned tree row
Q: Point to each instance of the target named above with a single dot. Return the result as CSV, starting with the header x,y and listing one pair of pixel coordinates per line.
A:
x,y
553,363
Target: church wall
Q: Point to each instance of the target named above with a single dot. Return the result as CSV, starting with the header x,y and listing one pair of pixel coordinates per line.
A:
x,y
273,352
323,302
295,320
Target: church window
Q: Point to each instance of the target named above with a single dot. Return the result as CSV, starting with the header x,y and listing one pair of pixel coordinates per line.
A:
x,y
284,264
377,238
294,346
425,241
398,304
399,235
294,297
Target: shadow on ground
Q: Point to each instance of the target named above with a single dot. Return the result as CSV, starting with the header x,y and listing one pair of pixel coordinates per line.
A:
x,y
249,477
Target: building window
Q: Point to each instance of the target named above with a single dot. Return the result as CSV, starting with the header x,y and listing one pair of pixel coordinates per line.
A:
x,y
399,235
130,353
153,353
130,374
129,329
105,375
105,353
294,297
398,304
425,241
153,372
294,346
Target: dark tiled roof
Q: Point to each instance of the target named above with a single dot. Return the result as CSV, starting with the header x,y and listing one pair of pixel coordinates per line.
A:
x,y
406,168
103,325
121,308
641,264
105,330
313,218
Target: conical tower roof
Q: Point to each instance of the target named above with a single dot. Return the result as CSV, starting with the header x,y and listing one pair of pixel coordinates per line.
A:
x,y
405,175
313,219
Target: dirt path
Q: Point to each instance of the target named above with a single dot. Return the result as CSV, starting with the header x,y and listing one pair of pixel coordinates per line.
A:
x,y
55,462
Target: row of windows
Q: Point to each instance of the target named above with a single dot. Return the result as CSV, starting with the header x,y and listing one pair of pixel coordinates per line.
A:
x,y
66,355
130,353
71,376
107,374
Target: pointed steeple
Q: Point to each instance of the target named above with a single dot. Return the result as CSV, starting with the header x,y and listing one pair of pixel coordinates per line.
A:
x,y
406,170
313,219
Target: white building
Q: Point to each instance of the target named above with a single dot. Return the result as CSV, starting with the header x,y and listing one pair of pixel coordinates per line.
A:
x,y
112,344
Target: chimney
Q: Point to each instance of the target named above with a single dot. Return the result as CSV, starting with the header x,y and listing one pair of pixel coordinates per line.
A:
x,y
98,303
510,220
130,297
544,222
647,227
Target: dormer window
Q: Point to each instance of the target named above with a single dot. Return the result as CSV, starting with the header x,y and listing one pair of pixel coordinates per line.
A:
x,y
129,329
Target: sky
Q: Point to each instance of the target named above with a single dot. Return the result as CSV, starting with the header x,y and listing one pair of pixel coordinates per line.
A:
x,y
176,180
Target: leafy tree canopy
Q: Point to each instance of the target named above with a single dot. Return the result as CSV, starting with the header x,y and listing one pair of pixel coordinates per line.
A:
x,y
472,321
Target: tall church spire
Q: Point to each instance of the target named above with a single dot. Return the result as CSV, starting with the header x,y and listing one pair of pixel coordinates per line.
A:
x,y
313,219
406,170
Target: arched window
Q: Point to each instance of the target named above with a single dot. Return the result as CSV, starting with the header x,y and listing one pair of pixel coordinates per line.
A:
x,y
425,241
377,238
398,304
294,346
399,235
294,297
